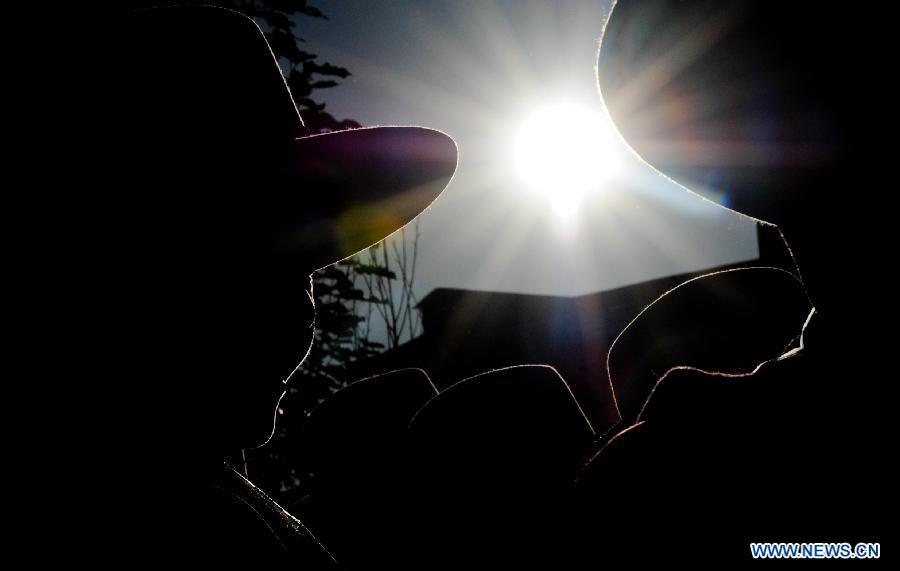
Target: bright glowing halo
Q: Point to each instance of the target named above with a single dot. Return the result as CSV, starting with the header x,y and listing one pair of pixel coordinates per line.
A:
x,y
563,152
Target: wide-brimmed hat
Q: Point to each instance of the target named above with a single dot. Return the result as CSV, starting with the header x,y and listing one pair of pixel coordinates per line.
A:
x,y
198,90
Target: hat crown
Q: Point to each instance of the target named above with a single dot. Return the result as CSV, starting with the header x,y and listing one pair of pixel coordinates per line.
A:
x,y
206,74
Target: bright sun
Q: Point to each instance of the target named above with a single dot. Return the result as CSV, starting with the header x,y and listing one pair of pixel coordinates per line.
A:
x,y
564,152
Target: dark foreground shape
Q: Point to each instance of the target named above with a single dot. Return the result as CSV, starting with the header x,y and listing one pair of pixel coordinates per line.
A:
x,y
498,452
355,448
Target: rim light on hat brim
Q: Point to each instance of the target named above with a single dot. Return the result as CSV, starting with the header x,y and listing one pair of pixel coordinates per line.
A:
x,y
361,185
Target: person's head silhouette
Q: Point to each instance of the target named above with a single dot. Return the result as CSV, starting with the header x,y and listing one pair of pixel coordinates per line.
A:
x,y
218,212
230,211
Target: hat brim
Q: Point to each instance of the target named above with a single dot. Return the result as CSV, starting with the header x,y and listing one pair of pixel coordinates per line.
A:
x,y
359,186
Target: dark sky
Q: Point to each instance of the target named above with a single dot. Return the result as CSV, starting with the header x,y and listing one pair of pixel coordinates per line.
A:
x,y
478,70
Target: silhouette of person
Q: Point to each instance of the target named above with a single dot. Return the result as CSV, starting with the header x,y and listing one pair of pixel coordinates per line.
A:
x,y
783,451
216,211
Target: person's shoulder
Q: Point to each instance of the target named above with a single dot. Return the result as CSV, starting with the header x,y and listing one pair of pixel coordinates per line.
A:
x,y
232,526
253,524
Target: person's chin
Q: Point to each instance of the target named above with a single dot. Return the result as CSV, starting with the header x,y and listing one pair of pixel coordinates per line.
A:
x,y
267,426
251,426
